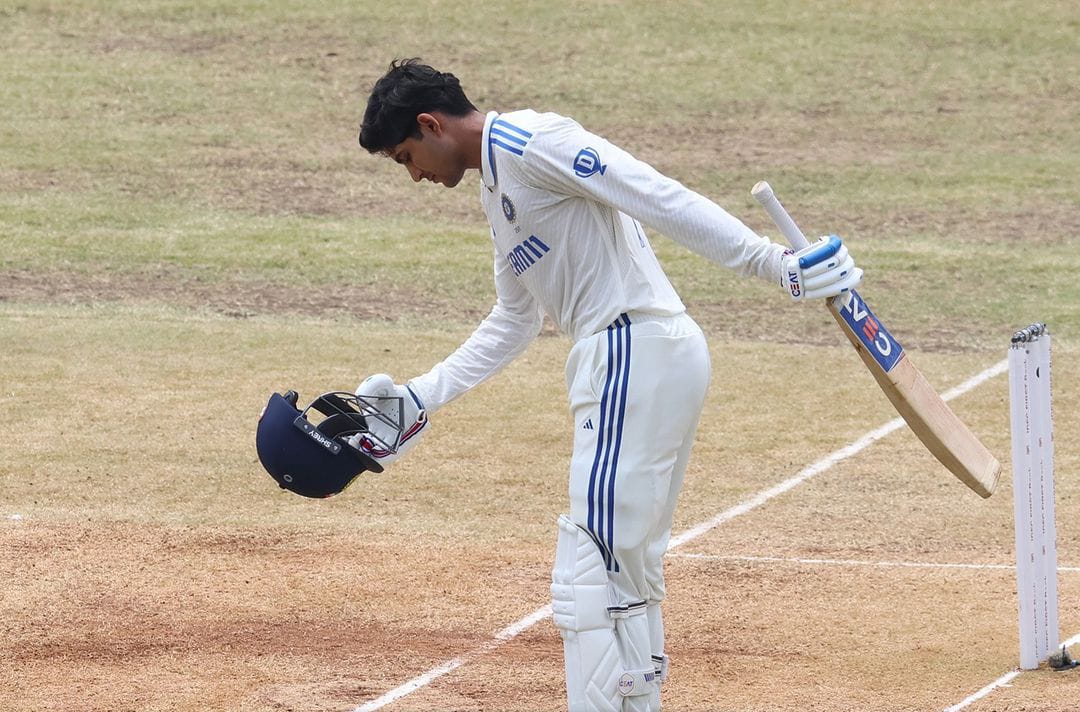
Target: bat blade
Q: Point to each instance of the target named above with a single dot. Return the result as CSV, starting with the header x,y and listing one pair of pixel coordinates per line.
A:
x,y
943,433
926,413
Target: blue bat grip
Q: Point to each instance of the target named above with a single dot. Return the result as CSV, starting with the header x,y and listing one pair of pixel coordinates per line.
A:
x,y
821,253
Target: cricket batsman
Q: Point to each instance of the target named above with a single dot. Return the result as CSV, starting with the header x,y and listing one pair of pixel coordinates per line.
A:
x,y
566,210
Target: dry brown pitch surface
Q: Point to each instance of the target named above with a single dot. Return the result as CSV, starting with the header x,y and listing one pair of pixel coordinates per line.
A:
x,y
161,570
187,223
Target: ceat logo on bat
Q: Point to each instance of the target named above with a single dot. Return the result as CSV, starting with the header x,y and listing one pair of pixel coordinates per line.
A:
x,y
885,349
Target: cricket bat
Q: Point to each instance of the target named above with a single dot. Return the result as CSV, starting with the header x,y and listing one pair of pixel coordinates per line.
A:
x,y
928,416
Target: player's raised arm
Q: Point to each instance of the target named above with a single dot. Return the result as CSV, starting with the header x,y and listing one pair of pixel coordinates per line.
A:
x,y
568,159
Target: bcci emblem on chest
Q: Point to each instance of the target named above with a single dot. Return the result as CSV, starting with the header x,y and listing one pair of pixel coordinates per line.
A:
x,y
508,208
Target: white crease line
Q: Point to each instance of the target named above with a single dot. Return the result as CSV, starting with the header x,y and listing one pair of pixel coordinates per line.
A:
x,y
515,629
1000,682
977,380
802,476
827,462
857,562
508,633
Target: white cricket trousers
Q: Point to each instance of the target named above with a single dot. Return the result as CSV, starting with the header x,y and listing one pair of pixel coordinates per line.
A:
x,y
636,391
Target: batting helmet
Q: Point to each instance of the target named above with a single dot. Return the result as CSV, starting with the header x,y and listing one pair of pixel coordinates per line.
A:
x,y
309,452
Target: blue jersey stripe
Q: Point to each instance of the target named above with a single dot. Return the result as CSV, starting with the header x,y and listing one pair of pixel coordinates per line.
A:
x,y
509,147
505,135
491,162
511,138
503,123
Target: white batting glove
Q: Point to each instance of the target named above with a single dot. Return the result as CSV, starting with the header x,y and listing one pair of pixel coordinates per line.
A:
x,y
822,269
405,419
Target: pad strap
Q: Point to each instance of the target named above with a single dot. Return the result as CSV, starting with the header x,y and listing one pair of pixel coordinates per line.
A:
x,y
661,663
637,682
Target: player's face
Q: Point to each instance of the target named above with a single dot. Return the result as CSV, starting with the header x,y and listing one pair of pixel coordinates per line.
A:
x,y
431,157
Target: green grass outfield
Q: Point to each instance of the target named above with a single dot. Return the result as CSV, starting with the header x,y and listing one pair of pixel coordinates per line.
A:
x,y
197,163
187,223
218,141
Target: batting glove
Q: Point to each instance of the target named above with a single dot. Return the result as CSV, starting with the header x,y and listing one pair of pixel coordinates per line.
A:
x,y
822,269
403,423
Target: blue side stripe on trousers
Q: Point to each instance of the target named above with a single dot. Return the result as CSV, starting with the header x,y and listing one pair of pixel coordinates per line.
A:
x,y
614,346
591,525
596,504
618,446
601,499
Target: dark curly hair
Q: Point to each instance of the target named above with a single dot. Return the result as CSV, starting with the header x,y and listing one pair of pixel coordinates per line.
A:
x,y
408,88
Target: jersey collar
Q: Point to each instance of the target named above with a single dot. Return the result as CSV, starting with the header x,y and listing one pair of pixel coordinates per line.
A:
x,y
487,155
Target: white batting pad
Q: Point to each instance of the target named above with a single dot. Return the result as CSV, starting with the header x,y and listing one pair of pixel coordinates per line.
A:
x,y
579,601
596,678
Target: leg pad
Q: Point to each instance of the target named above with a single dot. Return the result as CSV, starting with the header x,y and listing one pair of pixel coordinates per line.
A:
x,y
606,647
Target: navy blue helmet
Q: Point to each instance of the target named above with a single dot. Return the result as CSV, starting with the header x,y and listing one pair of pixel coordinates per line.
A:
x,y
308,452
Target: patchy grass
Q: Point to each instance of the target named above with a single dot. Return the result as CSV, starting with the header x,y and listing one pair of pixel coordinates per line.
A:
x,y
187,222
218,139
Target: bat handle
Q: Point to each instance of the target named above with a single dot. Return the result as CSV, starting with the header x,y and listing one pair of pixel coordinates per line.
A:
x,y
764,194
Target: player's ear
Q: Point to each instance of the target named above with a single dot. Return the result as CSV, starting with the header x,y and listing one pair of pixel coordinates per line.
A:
x,y
429,122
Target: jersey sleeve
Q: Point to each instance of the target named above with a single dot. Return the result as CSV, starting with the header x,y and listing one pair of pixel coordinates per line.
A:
x,y
569,160
508,329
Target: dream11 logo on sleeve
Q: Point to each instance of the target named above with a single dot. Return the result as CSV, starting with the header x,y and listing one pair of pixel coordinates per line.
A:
x,y
587,163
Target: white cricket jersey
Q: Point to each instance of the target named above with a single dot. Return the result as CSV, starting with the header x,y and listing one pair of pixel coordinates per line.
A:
x,y
566,209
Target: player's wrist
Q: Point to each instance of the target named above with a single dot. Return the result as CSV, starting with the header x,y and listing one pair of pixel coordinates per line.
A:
x,y
424,399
